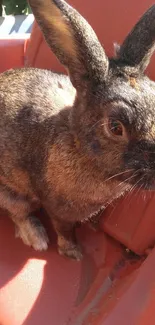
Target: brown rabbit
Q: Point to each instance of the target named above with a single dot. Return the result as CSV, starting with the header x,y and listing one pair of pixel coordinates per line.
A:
x,y
74,145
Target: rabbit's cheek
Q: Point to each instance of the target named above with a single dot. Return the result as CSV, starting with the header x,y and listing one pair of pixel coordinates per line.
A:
x,y
96,147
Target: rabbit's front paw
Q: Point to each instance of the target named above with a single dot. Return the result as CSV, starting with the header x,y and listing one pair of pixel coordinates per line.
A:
x,y
32,233
71,250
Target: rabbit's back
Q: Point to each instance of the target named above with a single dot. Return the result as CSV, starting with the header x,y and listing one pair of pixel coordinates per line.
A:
x,y
31,102
44,90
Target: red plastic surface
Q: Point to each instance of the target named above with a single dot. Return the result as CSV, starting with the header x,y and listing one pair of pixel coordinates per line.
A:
x,y
48,289
131,220
108,287
12,53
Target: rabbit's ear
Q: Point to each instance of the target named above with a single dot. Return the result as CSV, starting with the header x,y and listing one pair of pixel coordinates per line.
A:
x,y
139,45
72,40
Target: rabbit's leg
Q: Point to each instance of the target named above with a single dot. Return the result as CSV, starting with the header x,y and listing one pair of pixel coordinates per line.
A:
x,y
32,232
28,228
67,243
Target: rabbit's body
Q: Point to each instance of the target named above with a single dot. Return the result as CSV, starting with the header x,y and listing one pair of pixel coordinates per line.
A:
x,y
74,145
42,161
41,158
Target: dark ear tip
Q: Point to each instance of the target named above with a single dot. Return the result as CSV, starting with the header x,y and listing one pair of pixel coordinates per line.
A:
x,y
150,12
152,7
139,45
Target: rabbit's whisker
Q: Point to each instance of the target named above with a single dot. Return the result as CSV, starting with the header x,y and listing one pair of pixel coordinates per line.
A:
x,y
134,186
121,173
127,179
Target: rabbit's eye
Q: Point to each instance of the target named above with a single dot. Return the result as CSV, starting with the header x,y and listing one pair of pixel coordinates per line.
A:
x,y
115,127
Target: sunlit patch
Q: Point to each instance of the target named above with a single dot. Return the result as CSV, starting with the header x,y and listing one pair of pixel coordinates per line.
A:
x,y
24,289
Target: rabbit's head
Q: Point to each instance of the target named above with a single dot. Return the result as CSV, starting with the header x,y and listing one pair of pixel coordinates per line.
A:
x,y
113,117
